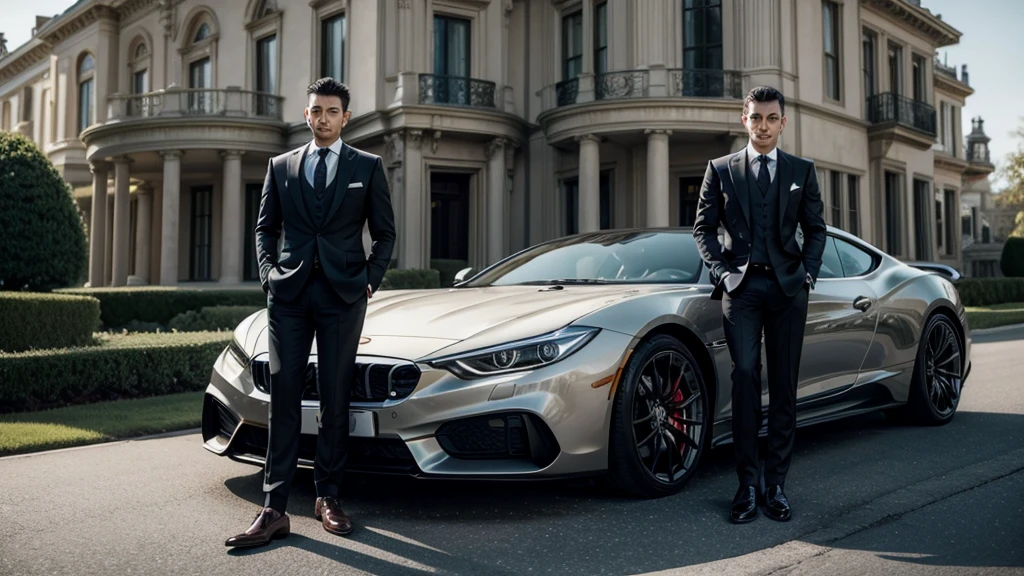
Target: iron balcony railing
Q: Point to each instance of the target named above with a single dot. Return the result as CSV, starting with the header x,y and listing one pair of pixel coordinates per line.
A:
x,y
196,102
623,84
456,91
566,91
892,108
703,83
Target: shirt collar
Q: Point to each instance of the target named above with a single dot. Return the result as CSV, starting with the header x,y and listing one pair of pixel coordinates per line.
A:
x,y
753,154
336,147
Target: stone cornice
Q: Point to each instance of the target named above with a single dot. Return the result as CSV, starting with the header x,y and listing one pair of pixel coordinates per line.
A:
x,y
952,86
129,9
945,161
30,54
61,28
918,19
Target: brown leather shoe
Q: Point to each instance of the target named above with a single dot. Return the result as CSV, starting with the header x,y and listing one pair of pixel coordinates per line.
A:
x,y
268,525
335,521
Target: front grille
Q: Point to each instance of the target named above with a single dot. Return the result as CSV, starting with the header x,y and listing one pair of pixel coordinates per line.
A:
x,y
376,379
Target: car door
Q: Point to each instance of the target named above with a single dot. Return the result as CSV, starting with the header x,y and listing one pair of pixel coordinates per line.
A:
x,y
841,319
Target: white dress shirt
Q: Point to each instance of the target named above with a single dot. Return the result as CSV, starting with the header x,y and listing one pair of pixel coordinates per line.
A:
x,y
313,158
755,162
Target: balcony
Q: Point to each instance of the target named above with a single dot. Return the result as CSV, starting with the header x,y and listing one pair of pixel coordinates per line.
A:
x,y
891,110
195,102
697,83
626,84
456,91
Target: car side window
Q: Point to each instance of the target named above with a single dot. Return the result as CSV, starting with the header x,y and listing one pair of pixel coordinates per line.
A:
x,y
855,261
830,266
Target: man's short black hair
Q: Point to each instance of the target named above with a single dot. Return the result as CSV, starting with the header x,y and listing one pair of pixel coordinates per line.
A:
x,y
330,87
765,94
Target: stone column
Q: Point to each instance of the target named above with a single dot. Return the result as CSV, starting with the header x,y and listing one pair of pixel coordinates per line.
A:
x,y
143,231
231,218
590,183
98,223
495,200
657,177
122,221
108,247
169,230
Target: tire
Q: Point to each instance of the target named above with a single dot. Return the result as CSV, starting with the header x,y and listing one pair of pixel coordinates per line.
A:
x,y
675,426
937,381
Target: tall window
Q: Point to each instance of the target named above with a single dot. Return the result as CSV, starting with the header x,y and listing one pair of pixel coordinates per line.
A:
x,y
853,203
868,55
266,74
922,235
895,69
940,221
837,199
451,46
892,213
572,45
702,35
86,90
830,22
572,202
202,234
601,38
332,47
200,75
140,82
251,267
918,66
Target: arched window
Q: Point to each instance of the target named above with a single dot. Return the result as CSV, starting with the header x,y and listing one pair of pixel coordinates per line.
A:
x,y
86,91
202,33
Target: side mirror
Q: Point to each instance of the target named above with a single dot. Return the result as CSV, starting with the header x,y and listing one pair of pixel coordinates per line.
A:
x,y
461,275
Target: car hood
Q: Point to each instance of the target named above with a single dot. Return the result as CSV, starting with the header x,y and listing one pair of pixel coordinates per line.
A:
x,y
418,323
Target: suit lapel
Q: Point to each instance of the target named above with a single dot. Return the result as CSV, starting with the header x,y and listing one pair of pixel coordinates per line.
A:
x,y
295,185
785,183
346,165
738,171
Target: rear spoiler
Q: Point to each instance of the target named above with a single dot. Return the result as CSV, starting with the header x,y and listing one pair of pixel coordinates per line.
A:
x,y
949,272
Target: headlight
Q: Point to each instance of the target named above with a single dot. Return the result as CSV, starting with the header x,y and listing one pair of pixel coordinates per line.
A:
x,y
517,356
238,353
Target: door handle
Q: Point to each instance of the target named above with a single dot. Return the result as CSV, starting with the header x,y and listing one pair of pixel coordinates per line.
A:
x,y
862,303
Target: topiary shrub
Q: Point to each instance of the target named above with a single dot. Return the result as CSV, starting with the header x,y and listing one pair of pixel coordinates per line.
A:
x,y
1012,260
43,243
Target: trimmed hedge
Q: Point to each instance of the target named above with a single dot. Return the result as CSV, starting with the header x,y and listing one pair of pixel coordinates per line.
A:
x,y
43,244
212,318
32,320
119,307
1011,261
120,366
410,279
989,291
448,269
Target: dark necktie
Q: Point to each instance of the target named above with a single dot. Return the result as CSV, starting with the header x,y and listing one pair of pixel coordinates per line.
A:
x,y
763,179
320,175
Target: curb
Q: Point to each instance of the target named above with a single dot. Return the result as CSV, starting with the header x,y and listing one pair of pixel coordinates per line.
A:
x,y
997,329
878,512
157,436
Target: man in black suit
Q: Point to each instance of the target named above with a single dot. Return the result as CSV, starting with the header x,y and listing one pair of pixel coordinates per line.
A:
x,y
319,197
760,195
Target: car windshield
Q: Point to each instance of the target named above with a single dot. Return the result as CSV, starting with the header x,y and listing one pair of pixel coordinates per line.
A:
x,y
632,257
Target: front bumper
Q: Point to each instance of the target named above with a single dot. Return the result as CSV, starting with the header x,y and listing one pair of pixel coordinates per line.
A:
x,y
548,422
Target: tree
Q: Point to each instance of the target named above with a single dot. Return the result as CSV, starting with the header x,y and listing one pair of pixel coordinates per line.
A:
x,y
42,235
1013,195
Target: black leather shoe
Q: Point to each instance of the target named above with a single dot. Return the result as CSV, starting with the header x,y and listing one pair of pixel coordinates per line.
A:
x,y
776,504
268,525
744,505
328,510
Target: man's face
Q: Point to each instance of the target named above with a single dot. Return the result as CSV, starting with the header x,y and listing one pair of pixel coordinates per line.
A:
x,y
764,122
325,117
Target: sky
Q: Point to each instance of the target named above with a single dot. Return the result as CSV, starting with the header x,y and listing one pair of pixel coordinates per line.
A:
x,y
988,27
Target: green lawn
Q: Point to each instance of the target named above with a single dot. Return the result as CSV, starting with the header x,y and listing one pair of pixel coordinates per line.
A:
x,y
979,317
91,423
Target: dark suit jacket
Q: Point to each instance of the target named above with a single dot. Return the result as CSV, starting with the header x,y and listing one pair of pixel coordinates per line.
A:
x,y
358,195
724,202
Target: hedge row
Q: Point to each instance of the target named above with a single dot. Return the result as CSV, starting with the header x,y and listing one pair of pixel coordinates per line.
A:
x,y
211,318
119,307
989,291
30,320
119,366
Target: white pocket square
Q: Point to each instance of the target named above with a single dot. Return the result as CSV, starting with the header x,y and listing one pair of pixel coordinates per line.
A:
x,y
356,185
793,187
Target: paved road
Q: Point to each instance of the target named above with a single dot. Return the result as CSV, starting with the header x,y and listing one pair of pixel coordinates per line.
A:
x,y
870,497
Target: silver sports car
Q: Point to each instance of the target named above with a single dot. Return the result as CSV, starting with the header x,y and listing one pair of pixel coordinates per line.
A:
x,y
600,353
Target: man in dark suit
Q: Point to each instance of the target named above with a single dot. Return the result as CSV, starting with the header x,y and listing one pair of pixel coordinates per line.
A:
x,y
760,195
319,197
